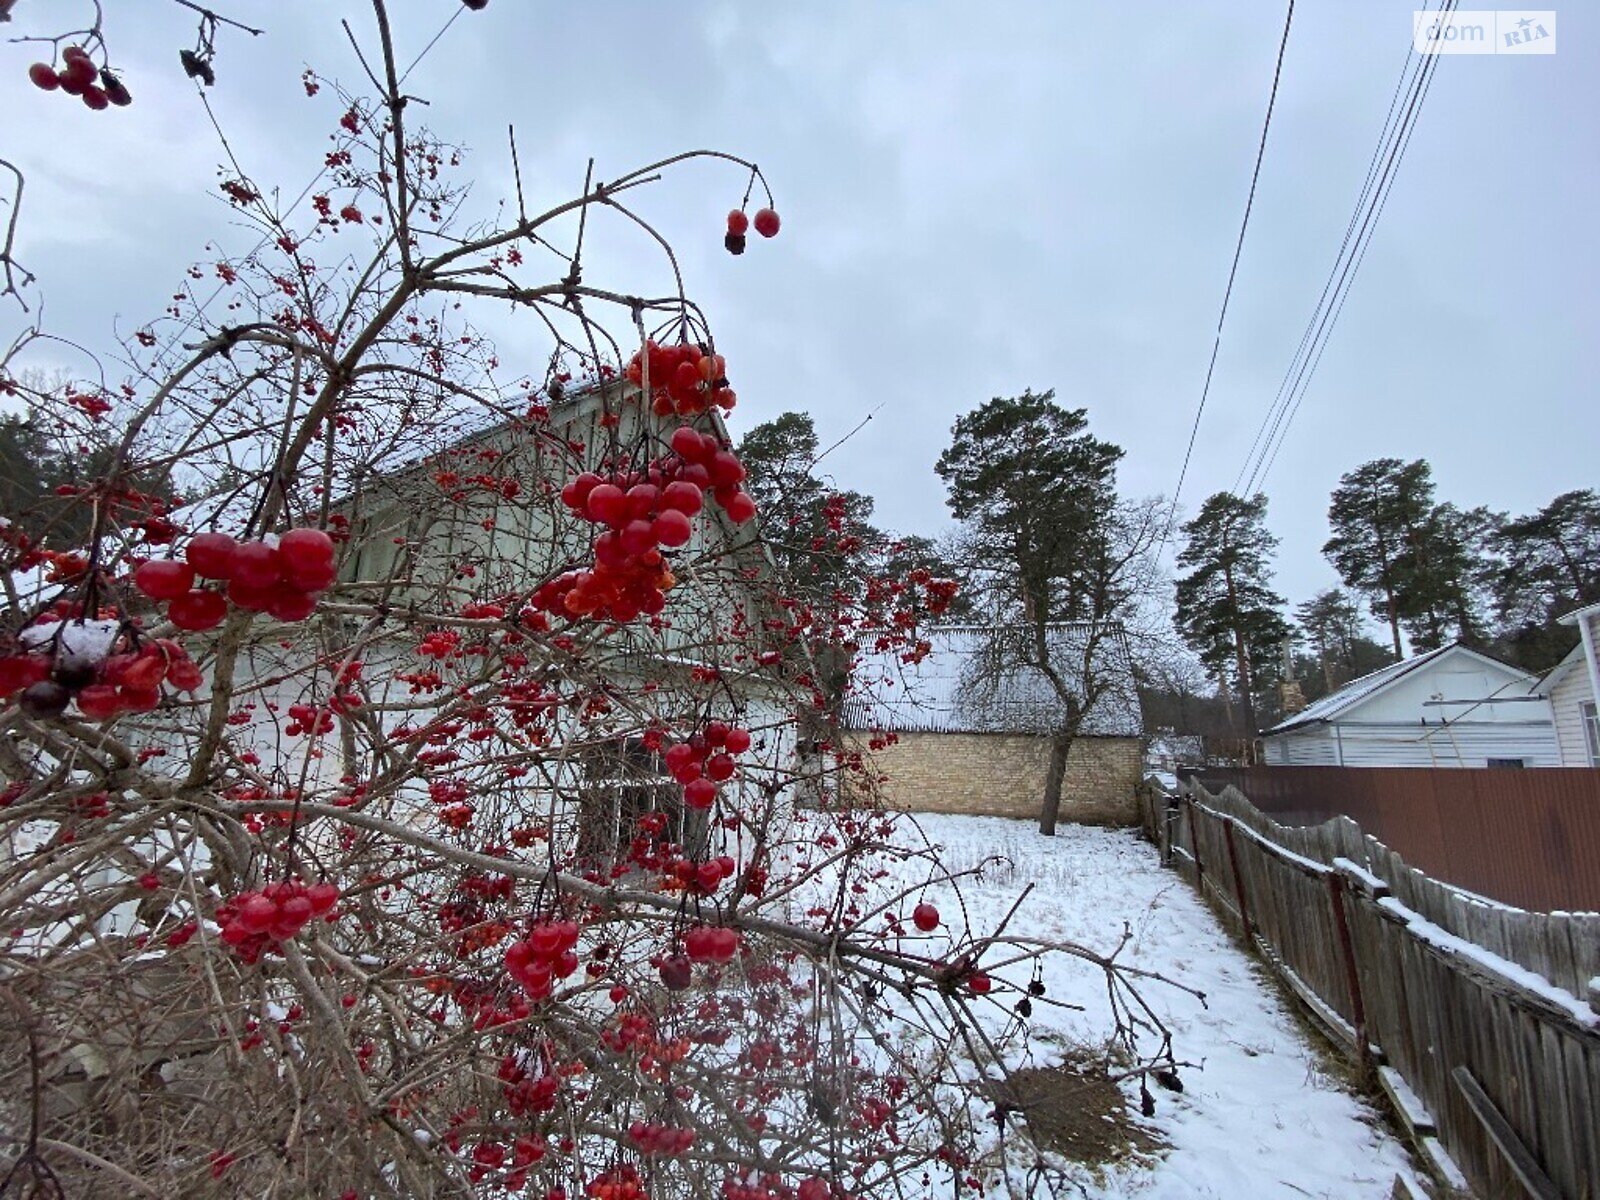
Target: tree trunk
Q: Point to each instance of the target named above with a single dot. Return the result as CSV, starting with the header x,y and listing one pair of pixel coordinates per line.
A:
x,y
1394,620
1241,658
1059,747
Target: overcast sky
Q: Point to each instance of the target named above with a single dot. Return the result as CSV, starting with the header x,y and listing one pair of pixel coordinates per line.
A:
x,y
977,199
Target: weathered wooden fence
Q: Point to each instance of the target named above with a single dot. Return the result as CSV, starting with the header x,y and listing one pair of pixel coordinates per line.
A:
x,y
1479,1022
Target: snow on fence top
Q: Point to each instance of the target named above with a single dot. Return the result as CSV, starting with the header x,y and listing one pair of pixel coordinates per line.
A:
x,y
978,679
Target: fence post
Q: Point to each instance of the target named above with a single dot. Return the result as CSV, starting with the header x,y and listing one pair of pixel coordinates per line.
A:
x,y
1238,879
1194,850
1352,974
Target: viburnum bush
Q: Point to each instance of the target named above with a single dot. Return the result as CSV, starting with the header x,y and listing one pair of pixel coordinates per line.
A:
x,y
421,782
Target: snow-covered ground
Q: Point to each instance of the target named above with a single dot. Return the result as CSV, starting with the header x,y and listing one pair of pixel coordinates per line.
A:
x,y
1261,1117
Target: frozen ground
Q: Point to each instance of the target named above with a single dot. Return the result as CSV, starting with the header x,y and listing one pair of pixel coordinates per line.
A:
x,y
1261,1117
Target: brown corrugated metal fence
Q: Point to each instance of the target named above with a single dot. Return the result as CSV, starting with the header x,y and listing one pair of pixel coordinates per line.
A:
x,y
1530,838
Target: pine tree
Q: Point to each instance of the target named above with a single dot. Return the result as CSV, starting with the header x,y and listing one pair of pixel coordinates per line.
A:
x,y
1376,514
1036,493
1549,564
1330,622
1227,610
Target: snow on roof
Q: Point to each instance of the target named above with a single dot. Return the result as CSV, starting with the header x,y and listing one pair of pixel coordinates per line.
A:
x,y
971,684
1357,690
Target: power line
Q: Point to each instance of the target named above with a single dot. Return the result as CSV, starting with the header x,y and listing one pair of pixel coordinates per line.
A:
x,y
1392,144
1233,270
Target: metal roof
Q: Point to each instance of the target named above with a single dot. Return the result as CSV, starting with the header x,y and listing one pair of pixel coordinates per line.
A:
x,y
972,682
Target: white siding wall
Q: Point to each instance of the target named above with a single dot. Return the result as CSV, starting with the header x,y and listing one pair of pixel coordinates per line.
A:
x,y
1463,682
1456,745
1566,699
1312,747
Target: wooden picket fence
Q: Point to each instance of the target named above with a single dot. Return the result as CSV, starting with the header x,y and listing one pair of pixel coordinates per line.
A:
x,y
1480,1024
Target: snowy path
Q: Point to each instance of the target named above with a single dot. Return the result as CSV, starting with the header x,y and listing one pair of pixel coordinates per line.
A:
x,y
1262,1118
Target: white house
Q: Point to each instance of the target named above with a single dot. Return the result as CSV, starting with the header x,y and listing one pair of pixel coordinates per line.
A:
x,y
1450,707
1571,687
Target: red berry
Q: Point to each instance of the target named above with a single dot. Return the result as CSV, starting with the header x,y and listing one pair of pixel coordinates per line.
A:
x,y
683,497
24,671
925,917
258,914
303,549
687,444
740,508
676,972
95,98
80,70
99,702
256,565
767,223
671,528
738,741
212,554
979,983
726,469
738,222
701,793
289,603
197,610
135,699
44,76
607,504
307,559
164,578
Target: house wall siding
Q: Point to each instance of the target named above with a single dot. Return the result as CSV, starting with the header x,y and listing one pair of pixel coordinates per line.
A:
x,y
1308,748
1003,775
1565,699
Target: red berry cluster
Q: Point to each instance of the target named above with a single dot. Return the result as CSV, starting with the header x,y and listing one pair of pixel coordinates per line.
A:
x,y
78,76
94,664
705,761
315,719
739,224
619,1183
668,1141
711,943
256,922
684,379
282,579
644,512
544,956
701,878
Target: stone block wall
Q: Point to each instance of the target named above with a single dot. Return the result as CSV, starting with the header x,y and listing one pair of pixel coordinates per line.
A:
x,y
1002,775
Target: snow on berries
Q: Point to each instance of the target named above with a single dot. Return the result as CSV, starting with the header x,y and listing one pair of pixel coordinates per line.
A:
x,y
100,665
281,577
256,923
